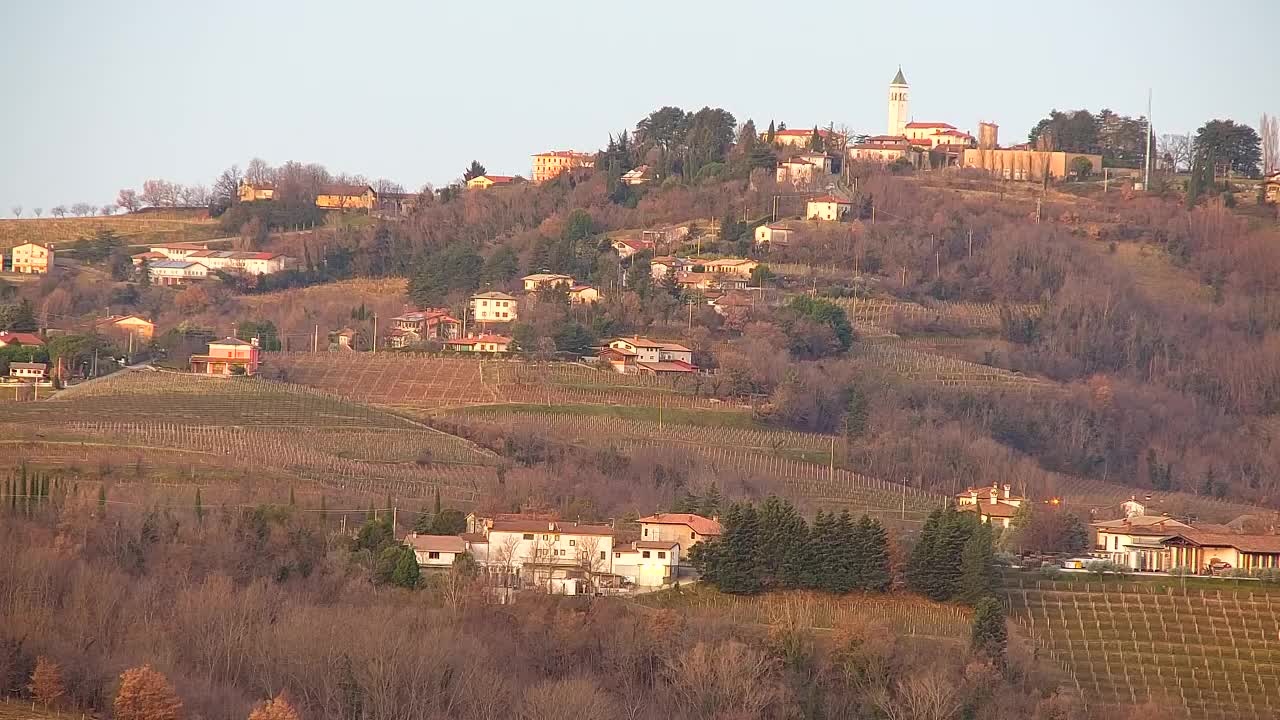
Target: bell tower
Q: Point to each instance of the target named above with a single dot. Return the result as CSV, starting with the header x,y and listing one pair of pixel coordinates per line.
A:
x,y
898,104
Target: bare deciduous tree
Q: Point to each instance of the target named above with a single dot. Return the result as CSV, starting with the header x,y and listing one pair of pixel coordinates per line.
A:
x,y
17,211
566,698
59,211
1269,131
106,210
128,199
82,209
38,211
728,679
1175,149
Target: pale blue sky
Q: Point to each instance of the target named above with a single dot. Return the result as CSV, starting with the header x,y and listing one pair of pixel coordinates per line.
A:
x,y
96,96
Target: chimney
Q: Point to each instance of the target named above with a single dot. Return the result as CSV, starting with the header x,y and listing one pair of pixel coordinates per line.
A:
x,y
1006,489
973,493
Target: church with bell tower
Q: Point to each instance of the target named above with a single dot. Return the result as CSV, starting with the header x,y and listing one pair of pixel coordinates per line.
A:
x,y
898,105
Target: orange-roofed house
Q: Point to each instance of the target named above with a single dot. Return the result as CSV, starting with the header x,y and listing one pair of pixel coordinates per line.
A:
x,y
125,325
996,505
480,343
228,356
932,134
21,338
641,355
548,165
583,295
827,207
252,192
684,529
484,182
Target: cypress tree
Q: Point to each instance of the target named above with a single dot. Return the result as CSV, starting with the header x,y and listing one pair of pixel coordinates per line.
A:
x,y
771,134
712,502
293,501
324,510
876,576
988,635
978,567
102,500
199,507
780,533
44,490
818,552
437,505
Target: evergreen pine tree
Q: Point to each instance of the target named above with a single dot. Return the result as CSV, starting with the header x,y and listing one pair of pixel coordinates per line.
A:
x,y
771,134
978,567
920,564
199,507
422,525
846,555
988,635
815,553
737,571
876,576
102,501
777,543
437,505
712,502
948,552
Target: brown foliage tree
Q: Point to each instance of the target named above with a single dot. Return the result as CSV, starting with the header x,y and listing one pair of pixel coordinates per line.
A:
x,y
146,695
46,683
278,708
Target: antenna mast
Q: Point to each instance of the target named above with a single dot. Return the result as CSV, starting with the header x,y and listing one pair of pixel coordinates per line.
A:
x,y
1146,171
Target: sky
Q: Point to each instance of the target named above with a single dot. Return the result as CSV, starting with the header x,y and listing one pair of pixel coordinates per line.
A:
x,y
99,96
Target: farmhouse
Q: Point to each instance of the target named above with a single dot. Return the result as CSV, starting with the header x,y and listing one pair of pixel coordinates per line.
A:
x,y
484,182
1136,542
996,504
487,307
660,267
884,149
251,192
1202,551
549,164
228,356
731,266
933,134
683,529
537,281
344,339
429,324
583,295
11,339
732,305
778,233
642,355
125,325
172,251
27,371
626,247
31,259
436,552
176,272
346,197
827,207
480,343
709,281
548,554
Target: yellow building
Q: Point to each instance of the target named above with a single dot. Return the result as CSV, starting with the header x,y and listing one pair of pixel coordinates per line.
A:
x,y
1022,164
549,164
487,307
996,505
32,259
484,182
936,133
125,325
1271,188
346,197
249,192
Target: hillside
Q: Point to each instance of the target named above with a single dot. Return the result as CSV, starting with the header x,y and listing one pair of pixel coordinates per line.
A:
x,y
134,229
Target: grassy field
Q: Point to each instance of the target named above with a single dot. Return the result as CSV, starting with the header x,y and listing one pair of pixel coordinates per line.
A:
x,y
1197,653
134,229
15,710
900,614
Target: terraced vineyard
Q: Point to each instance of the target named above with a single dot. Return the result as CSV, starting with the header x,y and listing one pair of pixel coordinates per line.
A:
x,y
251,423
1198,653
873,315
945,371
428,383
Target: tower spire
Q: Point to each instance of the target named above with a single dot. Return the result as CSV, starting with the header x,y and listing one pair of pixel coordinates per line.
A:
x,y
899,79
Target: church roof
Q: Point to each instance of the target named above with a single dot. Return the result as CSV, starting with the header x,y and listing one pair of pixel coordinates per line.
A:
x,y
898,79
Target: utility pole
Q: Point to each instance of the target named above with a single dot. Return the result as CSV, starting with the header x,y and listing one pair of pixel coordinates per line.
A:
x,y
315,340
971,242
904,498
375,332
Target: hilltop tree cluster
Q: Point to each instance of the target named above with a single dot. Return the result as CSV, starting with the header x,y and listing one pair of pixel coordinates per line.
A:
x,y
953,558
773,548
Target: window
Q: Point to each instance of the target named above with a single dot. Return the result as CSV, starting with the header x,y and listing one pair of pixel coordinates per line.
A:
x,y
433,556
646,532
662,555
693,536
602,555
615,555
528,536
572,543
645,554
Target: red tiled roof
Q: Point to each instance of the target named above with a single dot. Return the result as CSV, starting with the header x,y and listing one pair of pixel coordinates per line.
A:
x,y
1000,509
21,338
500,339
791,132
668,366
829,199
436,543
1243,543
498,179
922,125
653,545
921,141
345,190
475,537
697,523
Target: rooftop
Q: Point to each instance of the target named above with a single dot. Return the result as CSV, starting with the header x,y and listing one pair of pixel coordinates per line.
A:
x,y
697,523
8,338
172,264
829,199
899,79
493,295
925,125
436,543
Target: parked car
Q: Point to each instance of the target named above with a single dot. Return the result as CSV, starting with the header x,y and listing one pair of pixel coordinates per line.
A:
x,y
1219,567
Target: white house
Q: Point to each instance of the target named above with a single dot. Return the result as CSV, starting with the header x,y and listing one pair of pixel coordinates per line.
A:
x,y
250,263
1136,542
436,551
774,234
741,267
648,563
542,553
626,247
176,272
642,355
480,343
827,207
537,281
637,176
27,371
178,250
493,307
660,267
996,504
